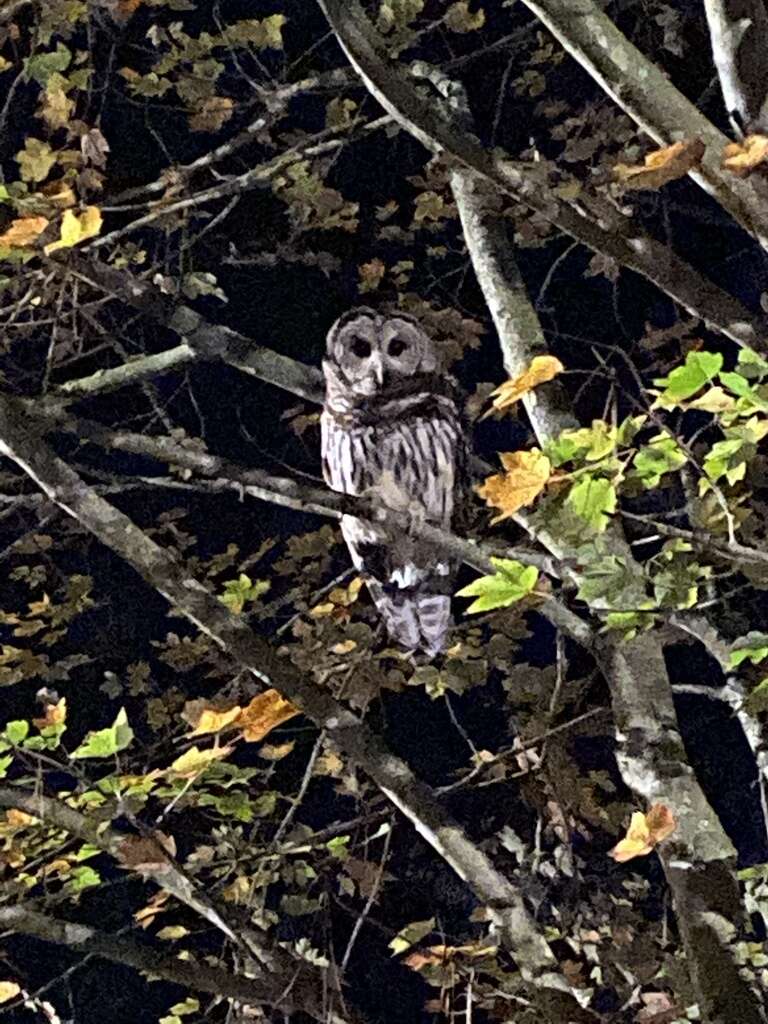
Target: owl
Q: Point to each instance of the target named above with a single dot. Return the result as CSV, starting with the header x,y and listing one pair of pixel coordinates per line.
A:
x,y
391,430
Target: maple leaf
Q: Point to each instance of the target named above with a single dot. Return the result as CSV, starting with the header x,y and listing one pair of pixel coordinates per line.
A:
x,y
55,714
205,718
741,158
661,166
23,231
212,115
645,832
525,476
265,712
540,370
194,761
76,227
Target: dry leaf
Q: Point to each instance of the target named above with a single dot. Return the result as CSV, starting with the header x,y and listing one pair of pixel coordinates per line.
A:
x,y
194,761
644,833
156,906
661,166
525,477
741,158
20,819
75,228
540,370
144,854
264,714
214,113
54,714
8,990
205,719
23,232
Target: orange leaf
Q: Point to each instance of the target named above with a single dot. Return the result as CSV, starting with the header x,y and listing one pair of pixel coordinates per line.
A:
x,y
23,232
263,714
54,714
662,165
741,158
525,477
644,833
540,370
214,112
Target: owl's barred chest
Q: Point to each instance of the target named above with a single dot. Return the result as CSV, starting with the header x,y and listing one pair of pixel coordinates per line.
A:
x,y
413,454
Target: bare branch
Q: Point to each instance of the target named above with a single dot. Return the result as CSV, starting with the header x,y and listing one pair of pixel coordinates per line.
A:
x,y
263,990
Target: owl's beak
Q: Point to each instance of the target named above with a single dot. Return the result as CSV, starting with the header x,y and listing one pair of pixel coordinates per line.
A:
x,y
377,366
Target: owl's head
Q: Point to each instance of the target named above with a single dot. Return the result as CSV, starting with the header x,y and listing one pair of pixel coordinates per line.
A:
x,y
370,352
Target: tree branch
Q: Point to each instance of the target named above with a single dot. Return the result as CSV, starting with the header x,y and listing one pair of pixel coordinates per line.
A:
x,y
738,30
147,959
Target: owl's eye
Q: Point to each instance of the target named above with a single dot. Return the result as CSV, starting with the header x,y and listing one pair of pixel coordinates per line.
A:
x,y
396,347
360,347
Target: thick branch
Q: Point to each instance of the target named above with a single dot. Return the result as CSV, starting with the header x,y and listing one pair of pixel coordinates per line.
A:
x,y
610,235
197,976
204,339
515,927
738,30
651,100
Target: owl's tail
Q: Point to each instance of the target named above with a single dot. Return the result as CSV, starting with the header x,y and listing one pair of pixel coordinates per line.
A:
x,y
416,619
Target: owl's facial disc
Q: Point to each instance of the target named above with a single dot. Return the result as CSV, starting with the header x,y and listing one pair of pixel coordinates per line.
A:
x,y
373,351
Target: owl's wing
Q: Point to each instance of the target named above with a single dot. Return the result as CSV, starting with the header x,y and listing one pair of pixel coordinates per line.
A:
x,y
413,464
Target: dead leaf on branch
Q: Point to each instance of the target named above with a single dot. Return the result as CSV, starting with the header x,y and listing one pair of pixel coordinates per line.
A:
x,y
661,166
645,832
741,158
23,231
144,854
540,370
213,114
525,477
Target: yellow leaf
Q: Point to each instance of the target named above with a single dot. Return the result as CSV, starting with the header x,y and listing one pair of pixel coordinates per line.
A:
x,y
173,931
541,369
276,752
525,477
662,165
213,719
644,833
23,232
265,713
344,647
75,228
714,400
57,107
20,819
8,990
194,761
741,158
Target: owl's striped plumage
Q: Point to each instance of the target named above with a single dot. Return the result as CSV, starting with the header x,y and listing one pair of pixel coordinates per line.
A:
x,y
391,430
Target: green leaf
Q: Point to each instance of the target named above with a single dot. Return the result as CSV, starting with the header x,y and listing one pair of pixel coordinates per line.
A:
x,y
661,455
757,700
412,933
84,877
752,647
237,592
107,742
514,582
686,380
16,732
41,66
593,499
338,846
190,1005
587,444
5,763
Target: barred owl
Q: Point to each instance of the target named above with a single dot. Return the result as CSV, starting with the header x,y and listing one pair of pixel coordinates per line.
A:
x,y
391,430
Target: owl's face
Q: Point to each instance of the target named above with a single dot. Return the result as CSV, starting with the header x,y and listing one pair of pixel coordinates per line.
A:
x,y
372,352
